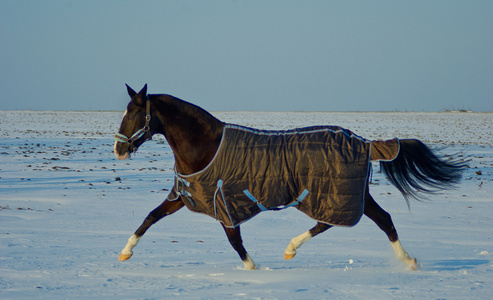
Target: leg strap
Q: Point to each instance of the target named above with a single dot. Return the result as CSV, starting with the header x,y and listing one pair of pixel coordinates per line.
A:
x,y
263,208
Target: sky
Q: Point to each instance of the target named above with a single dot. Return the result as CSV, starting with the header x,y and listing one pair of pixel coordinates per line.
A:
x,y
255,55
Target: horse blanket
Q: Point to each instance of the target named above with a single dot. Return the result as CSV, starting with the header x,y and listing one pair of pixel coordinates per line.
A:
x,y
322,171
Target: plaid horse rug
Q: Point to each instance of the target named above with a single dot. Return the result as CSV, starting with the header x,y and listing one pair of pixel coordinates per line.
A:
x,y
322,171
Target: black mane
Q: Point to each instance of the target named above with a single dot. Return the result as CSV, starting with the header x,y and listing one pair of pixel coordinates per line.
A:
x,y
185,113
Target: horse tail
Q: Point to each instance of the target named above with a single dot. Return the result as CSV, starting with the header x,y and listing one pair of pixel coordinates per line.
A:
x,y
417,169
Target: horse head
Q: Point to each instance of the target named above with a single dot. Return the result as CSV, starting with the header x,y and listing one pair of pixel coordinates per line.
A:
x,y
135,126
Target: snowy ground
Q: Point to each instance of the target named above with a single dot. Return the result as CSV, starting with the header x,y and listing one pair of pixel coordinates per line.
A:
x,y
67,208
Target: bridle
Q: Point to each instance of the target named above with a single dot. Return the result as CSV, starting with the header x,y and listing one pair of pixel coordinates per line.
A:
x,y
137,135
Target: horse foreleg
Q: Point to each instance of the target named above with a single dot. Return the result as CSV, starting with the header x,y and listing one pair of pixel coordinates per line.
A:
x,y
166,208
384,221
234,237
296,242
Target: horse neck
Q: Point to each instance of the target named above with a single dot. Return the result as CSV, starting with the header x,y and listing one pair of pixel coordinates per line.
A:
x,y
193,134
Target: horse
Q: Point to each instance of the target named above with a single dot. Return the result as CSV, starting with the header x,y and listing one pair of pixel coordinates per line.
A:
x,y
196,137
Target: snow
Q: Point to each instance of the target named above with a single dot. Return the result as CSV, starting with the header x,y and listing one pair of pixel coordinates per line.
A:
x,y
67,208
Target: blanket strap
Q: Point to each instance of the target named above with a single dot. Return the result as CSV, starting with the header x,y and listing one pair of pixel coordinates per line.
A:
x,y
180,187
249,195
216,193
294,203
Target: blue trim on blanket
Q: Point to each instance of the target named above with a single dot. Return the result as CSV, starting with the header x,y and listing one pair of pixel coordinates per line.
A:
x,y
311,129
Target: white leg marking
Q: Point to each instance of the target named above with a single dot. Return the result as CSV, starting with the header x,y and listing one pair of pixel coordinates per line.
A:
x,y
249,264
295,243
403,256
127,251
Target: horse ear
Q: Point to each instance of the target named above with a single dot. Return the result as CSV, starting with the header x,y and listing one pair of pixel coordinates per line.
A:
x,y
143,91
140,99
130,91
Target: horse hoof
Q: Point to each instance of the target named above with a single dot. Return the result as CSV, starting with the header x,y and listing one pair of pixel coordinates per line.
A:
x,y
413,264
123,257
289,256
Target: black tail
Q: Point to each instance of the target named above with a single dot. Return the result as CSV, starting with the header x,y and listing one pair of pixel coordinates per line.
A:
x,y
418,170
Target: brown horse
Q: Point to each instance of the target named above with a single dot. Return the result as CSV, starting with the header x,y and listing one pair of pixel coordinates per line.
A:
x,y
195,137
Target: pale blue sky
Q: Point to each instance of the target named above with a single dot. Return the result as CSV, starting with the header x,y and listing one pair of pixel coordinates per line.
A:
x,y
249,55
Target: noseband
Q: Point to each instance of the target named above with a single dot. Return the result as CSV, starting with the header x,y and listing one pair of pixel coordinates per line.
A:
x,y
137,135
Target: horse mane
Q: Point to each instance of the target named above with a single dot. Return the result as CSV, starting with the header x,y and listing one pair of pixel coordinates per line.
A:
x,y
181,111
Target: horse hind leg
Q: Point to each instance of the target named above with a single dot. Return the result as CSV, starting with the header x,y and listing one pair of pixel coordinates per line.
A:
x,y
296,242
384,222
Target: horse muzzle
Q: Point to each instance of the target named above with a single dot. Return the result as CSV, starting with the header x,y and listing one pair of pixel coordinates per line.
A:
x,y
120,152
